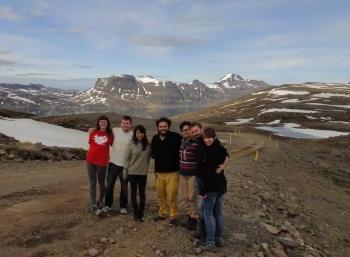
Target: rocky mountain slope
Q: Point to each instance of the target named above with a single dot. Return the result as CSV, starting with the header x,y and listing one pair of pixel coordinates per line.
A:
x,y
142,96
37,99
296,106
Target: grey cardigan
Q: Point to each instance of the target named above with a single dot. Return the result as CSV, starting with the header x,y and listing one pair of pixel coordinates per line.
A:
x,y
137,160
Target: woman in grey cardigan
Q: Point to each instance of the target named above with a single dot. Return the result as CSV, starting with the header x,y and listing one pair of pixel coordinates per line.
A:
x,y
136,167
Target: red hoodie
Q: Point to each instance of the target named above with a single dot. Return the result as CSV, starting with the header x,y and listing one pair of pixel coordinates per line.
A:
x,y
99,142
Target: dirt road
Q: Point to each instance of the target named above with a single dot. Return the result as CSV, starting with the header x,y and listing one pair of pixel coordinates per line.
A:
x,y
43,208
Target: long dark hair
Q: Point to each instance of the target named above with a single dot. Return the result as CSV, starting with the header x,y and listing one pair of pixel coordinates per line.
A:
x,y
108,129
144,140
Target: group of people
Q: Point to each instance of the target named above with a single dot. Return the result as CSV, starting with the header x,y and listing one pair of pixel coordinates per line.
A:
x,y
193,161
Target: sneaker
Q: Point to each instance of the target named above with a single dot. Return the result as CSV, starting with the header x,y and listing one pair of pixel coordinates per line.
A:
x,y
219,242
106,209
97,212
191,224
123,211
158,218
173,222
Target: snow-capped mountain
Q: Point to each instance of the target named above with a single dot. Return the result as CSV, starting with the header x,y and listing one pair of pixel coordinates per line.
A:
x,y
233,82
136,95
37,99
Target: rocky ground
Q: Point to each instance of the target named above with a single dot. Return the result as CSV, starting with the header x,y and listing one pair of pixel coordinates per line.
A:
x,y
15,151
285,203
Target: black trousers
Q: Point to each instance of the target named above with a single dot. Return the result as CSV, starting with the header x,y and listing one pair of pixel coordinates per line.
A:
x,y
138,183
113,172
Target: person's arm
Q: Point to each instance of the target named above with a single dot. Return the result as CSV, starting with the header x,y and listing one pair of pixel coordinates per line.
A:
x,y
152,150
128,156
90,138
111,139
200,156
225,155
222,166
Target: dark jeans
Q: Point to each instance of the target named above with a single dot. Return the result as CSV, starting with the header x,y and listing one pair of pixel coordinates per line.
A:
x,y
113,172
212,218
95,173
138,182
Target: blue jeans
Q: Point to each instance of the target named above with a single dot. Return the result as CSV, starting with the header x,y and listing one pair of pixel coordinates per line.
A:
x,y
212,218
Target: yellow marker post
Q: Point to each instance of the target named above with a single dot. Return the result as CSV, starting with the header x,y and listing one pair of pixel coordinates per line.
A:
x,y
276,144
256,156
230,138
235,132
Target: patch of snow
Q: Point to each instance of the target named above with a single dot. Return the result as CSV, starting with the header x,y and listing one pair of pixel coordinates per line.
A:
x,y
340,122
287,110
310,117
275,122
273,100
290,101
291,131
287,92
147,79
16,97
245,101
238,121
227,76
259,93
146,92
328,95
332,105
28,130
212,85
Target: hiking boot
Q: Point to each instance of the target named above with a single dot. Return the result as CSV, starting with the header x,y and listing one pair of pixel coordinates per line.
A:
x,y
123,211
158,218
173,222
219,242
191,224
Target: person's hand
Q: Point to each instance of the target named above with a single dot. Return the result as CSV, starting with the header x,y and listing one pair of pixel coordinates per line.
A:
x,y
125,173
203,196
90,130
220,168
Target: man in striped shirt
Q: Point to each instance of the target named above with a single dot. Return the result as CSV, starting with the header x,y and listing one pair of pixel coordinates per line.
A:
x,y
190,153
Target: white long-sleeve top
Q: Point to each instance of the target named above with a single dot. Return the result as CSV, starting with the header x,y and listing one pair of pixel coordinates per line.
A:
x,y
120,145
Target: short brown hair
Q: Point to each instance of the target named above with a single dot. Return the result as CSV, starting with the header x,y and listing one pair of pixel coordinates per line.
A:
x,y
209,132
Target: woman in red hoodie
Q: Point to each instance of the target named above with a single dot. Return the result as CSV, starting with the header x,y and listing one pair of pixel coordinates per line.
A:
x,y
97,159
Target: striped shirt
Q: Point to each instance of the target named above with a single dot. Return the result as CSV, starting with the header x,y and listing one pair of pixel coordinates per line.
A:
x,y
188,160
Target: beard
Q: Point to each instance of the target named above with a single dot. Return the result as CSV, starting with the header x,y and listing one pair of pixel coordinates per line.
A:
x,y
163,132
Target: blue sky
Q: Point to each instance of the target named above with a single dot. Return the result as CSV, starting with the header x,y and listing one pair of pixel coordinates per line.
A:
x,y
70,43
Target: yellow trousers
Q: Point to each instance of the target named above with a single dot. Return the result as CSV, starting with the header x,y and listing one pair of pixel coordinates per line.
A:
x,y
167,184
